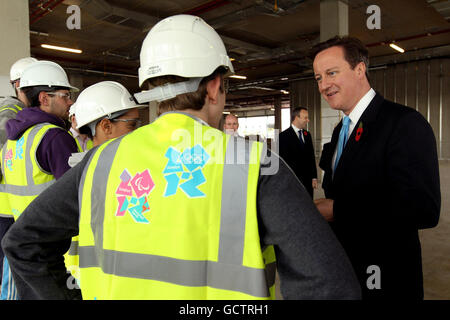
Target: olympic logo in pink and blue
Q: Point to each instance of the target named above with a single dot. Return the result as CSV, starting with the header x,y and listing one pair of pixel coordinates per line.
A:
x,y
132,195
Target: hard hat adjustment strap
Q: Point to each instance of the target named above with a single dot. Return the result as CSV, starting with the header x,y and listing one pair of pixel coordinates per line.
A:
x,y
168,91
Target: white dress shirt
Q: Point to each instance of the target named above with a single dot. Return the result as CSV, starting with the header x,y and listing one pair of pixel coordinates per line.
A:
x,y
356,113
297,132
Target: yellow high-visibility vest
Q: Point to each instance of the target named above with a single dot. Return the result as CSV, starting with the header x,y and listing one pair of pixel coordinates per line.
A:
x,y
11,107
22,177
165,214
89,144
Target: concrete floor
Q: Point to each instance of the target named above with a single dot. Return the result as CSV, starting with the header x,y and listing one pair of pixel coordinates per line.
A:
x,y
435,246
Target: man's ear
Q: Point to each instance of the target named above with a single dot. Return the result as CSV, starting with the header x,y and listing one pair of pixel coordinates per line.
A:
x,y
213,89
361,68
106,126
43,98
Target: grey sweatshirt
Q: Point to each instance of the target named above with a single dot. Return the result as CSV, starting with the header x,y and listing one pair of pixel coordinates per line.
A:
x,y
311,262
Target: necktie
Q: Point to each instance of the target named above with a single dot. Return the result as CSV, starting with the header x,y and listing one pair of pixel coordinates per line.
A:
x,y
300,134
342,139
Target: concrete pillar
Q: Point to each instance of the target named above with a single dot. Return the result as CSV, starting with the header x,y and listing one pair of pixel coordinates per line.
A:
x,y
14,38
333,21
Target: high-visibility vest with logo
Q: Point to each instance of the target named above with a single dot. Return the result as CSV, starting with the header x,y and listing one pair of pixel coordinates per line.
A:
x,y
164,215
22,177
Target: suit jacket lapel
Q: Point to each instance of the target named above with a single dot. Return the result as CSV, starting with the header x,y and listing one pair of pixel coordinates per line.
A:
x,y
294,136
365,126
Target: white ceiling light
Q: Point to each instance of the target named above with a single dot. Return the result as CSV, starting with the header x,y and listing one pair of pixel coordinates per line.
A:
x,y
235,76
48,46
396,47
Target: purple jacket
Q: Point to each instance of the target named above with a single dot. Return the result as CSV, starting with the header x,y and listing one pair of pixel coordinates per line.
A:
x,y
56,145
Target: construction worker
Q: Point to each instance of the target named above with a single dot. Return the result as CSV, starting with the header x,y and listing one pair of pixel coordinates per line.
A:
x,y
164,213
38,144
8,110
84,143
105,110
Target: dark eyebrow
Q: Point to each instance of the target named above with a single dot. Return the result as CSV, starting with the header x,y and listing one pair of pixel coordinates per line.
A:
x,y
328,70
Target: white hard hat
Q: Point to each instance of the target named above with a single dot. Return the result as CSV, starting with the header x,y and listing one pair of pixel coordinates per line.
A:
x,y
17,68
100,100
45,73
72,110
182,45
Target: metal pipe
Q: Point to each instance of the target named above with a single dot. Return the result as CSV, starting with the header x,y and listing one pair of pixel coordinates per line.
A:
x,y
423,35
41,8
49,9
102,72
207,7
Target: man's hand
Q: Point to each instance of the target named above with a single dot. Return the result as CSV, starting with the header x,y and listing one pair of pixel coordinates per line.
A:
x,y
325,207
314,183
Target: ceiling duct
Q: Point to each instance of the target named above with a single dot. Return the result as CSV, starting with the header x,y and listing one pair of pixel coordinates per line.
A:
x,y
104,11
442,7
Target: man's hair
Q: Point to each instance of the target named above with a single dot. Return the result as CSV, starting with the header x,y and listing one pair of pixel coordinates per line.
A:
x,y
192,100
230,115
32,93
296,112
354,51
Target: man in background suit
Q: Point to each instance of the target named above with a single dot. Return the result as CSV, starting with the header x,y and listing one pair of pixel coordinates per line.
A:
x,y
381,175
296,148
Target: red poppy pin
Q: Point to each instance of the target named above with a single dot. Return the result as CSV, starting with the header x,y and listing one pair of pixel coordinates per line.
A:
x,y
305,133
359,132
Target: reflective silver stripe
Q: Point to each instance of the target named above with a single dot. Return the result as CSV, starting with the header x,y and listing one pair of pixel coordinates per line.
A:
x,y
83,179
234,203
98,191
28,156
181,272
31,190
228,273
73,250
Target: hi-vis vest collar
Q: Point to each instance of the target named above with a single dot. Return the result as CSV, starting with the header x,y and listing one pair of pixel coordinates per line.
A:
x,y
227,273
186,114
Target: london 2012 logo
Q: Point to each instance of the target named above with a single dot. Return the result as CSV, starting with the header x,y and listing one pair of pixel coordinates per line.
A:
x,y
184,171
132,195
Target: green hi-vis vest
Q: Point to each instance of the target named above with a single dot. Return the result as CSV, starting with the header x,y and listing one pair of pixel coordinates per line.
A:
x,y
164,216
11,107
22,177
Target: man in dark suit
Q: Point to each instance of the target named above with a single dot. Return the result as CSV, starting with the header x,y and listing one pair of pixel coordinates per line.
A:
x,y
296,148
381,175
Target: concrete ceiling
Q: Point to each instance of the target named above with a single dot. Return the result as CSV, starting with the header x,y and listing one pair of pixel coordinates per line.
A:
x,y
268,38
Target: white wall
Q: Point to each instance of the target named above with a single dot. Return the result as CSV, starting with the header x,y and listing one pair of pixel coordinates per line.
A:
x,y
14,33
